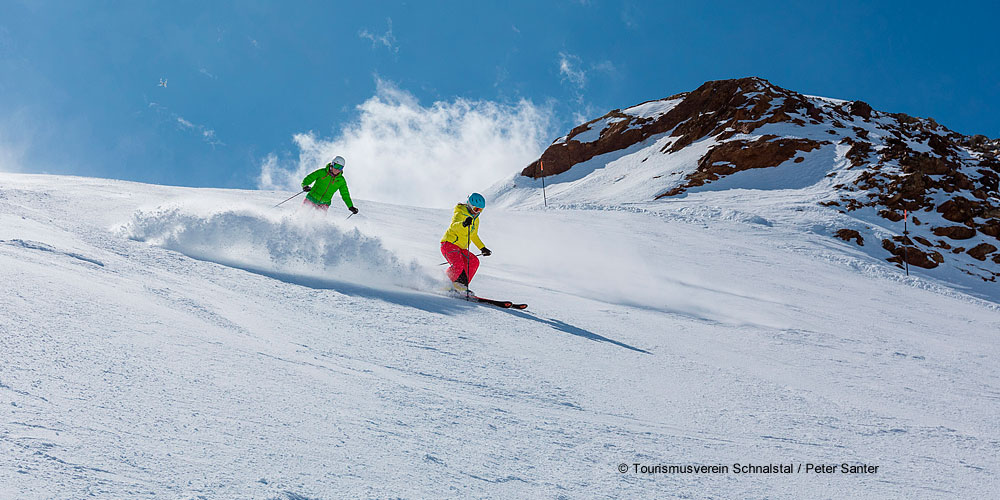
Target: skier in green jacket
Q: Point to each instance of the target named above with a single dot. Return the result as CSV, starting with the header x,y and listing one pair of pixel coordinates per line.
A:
x,y
322,183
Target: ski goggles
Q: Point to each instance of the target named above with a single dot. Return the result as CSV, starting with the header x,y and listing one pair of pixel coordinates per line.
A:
x,y
336,166
475,210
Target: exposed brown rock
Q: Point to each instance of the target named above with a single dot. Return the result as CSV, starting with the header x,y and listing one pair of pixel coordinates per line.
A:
x,y
906,119
859,152
891,215
980,251
940,145
558,158
717,108
850,234
982,144
958,209
853,204
989,180
914,256
924,164
955,232
991,228
735,156
862,109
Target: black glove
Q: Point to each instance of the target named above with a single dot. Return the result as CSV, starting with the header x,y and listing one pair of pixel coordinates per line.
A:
x,y
486,252
306,188
467,222
353,210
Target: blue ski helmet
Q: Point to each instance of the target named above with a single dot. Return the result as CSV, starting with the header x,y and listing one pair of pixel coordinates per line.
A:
x,y
477,200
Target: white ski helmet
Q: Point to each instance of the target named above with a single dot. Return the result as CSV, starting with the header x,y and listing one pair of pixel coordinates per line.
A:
x,y
338,161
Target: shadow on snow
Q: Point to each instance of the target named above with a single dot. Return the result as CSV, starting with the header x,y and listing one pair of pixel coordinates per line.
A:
x,y
575,330
424,301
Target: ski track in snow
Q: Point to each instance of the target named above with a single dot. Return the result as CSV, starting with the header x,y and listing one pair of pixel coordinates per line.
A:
x,y
184,343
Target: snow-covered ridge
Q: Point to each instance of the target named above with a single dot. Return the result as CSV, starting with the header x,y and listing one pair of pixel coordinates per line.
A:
x,y
830,100
653,109
633,118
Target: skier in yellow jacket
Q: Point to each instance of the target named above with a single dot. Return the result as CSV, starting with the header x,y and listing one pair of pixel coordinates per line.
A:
x,y
455,242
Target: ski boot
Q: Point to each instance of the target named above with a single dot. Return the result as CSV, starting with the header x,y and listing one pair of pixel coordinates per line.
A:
x,y
461,285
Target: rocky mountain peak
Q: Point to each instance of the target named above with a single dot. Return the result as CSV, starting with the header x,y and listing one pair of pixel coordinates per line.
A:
x,y
885,163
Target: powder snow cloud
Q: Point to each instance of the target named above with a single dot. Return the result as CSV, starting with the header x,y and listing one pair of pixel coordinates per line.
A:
x,y
17,130
399,151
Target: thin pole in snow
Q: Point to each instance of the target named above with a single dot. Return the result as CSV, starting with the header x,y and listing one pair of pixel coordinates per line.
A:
x,y
906,238
541,167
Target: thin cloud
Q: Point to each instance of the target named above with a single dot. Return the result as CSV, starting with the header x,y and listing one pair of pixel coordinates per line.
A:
x,y
605,67
209,137
630,16
206,134
502,76
386,40
569,68
572,71
399,151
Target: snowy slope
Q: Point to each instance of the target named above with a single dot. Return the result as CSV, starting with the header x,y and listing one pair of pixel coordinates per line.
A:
x,y
197,343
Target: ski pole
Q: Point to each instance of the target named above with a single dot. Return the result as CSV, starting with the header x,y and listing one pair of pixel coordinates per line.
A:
x,y
293,196
467,277
476,254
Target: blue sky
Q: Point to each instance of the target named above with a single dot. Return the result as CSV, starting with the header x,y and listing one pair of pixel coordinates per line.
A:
x,y
79,89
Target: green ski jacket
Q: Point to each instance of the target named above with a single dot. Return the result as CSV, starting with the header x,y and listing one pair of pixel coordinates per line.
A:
x,y
326,185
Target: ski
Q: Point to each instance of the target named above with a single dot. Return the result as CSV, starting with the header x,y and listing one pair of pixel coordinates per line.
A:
x,y
506,304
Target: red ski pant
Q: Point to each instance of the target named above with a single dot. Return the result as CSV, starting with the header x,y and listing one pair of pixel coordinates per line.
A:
x,y
309,203
460,260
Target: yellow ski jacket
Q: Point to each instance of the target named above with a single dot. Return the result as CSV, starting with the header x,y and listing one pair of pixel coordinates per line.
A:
x,y
460,235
